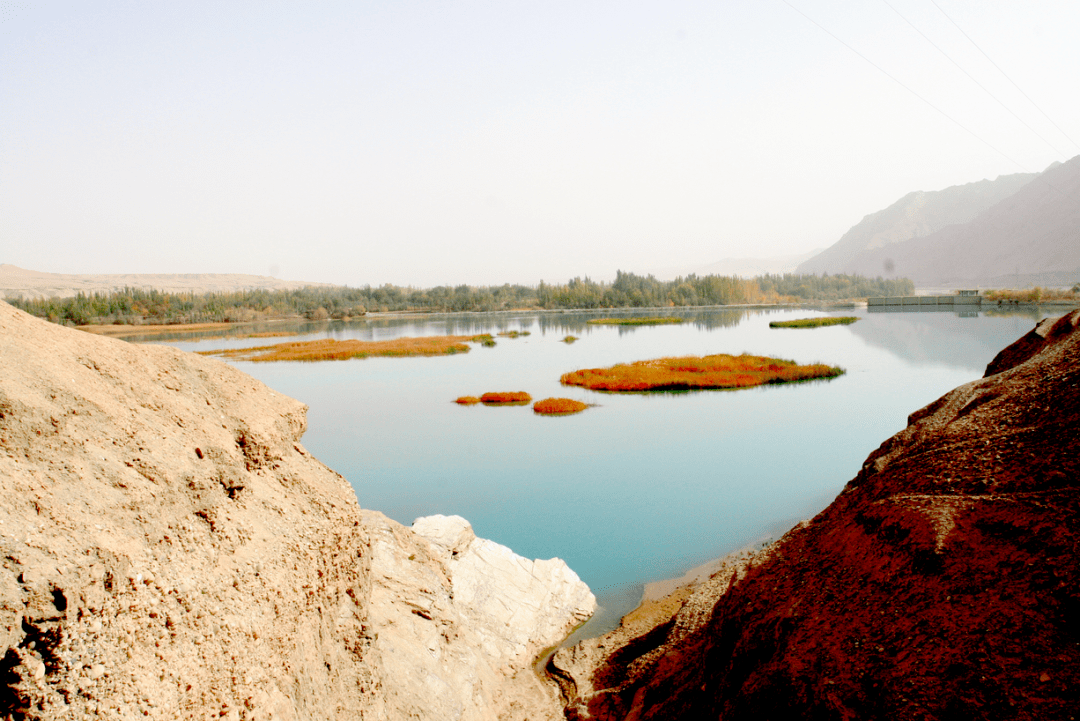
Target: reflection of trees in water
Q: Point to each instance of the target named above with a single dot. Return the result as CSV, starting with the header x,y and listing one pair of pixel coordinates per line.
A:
x,y
578,322
243,331
1034,313
560,322
389,327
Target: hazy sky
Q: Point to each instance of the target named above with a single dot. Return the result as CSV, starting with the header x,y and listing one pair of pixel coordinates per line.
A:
x,y
431,143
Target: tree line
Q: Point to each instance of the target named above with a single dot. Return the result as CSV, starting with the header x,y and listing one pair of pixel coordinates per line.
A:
x,y
134,305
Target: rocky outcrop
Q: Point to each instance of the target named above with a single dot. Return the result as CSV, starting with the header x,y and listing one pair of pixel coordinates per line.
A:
x,y
943,582
459,621
171,551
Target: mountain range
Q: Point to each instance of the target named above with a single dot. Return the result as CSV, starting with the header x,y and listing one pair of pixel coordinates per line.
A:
x,y
1015,231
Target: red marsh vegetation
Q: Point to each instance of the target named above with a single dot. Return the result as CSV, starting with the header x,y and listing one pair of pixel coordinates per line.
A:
x,y
517,398
693,372
558,406
330,349
467,400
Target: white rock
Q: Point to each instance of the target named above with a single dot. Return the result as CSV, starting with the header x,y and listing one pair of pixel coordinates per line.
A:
x,y
452,533
459,620
518,605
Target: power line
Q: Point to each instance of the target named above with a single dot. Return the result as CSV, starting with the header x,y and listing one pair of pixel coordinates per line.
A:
x,y
905,87
1005,74
972,78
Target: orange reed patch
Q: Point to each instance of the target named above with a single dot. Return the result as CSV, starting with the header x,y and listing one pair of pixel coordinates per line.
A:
x,y
519,397
694,372
558,406
330,349
467,400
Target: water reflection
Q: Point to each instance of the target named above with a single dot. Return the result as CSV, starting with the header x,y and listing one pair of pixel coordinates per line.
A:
x,y
374,328
931,336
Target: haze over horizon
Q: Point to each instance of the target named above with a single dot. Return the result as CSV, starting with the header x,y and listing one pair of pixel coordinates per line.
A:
x,y
481,143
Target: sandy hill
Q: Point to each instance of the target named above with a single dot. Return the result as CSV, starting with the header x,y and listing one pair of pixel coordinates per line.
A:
x,y
916,215
171,551
943,582
19,283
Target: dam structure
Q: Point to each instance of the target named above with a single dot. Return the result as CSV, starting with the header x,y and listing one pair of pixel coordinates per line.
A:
x,y
961,300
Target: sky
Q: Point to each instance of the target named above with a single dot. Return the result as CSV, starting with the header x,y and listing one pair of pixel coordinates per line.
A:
x,y
439,143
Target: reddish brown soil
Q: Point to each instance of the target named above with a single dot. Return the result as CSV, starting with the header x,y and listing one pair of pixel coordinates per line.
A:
x,y
943,582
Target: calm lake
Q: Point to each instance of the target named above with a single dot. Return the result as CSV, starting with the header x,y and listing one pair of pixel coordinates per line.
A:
x,y
640,487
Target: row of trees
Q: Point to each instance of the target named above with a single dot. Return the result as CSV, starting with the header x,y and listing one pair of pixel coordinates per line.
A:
x,y
133,305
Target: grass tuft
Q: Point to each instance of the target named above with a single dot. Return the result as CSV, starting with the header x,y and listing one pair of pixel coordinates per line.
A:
x,y
569,339
467,400
813,322
558,406
694,372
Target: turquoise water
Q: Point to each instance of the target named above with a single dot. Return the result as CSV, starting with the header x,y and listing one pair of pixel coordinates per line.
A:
x,y
640,487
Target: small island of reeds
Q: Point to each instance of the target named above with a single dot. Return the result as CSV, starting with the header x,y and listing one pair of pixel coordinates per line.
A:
x,y
513,398
330,349
467,400
694,373
635,321
813,322
569,339
514,333
558,406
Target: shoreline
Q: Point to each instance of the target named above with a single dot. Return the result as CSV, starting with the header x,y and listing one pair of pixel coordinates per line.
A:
x,y
675,607
119,329
122,329
660,600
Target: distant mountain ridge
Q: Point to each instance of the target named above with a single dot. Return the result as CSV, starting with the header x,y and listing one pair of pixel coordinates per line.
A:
x,y
1031,237
917,214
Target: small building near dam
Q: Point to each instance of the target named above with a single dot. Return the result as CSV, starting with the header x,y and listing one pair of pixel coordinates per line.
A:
x,y
961,300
